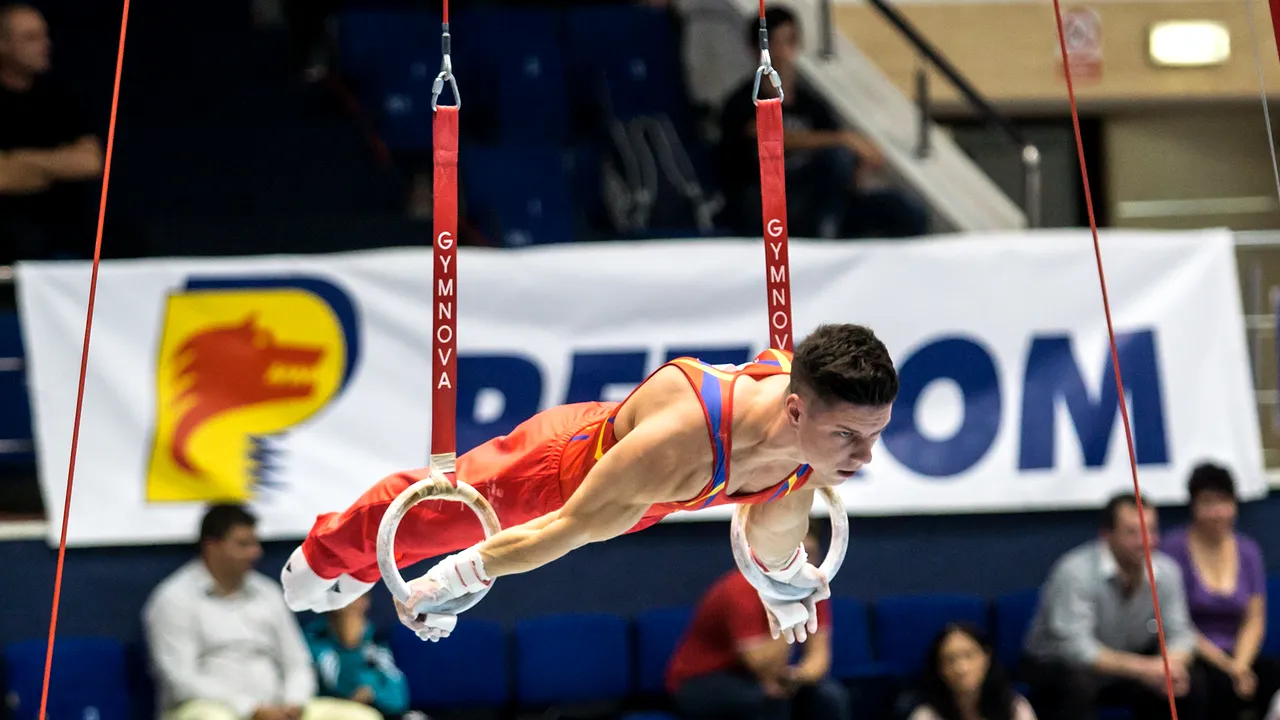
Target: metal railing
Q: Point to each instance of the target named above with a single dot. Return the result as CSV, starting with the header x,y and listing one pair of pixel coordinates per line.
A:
x,y
1258,269
11,446
1029,153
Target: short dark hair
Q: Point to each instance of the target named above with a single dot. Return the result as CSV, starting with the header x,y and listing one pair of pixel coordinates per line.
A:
x,y
775,16
845,363
220,520
1208,477
1112,508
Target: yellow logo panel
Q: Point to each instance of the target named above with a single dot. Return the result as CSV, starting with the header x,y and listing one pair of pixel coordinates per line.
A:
x,y
240,363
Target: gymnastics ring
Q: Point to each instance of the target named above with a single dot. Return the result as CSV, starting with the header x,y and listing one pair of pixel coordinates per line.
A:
x,y
780,590
433,487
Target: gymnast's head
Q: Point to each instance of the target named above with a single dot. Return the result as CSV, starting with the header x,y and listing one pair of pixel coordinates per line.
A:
x,y
843,384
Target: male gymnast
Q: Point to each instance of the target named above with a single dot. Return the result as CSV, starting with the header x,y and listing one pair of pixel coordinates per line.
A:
x,y
690,436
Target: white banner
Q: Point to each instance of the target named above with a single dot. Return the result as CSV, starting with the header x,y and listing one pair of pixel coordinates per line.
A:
x,y
296,382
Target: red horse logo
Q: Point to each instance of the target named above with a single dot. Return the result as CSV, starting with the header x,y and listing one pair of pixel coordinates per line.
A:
x,y
234,366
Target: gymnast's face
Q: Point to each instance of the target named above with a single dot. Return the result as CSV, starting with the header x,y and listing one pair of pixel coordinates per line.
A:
x,y
835,437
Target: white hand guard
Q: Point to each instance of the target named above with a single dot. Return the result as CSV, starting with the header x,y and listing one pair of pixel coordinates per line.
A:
x,y
452,577
795,620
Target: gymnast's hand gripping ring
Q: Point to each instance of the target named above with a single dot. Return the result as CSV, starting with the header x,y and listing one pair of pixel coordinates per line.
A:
x,y
785,591
434,487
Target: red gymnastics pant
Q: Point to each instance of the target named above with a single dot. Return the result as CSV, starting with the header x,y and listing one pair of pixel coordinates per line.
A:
x,y
523,475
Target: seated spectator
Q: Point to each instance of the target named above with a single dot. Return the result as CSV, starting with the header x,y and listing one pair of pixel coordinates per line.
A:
x,y
823,160
1093,640
729,665
961,681
50,159
309,36
223,644
352,664
1226,584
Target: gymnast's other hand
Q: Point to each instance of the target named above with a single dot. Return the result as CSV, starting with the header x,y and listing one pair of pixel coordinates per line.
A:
x,y
427,626
796,620
452,577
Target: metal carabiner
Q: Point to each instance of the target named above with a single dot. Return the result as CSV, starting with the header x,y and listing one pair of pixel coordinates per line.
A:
x,y
446,74
766,66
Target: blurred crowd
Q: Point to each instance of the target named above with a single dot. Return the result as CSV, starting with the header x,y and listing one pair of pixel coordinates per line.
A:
x,y
52,149
223,645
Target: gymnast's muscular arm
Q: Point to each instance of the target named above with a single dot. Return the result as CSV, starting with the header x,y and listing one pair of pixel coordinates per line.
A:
x,y
775,529
664,457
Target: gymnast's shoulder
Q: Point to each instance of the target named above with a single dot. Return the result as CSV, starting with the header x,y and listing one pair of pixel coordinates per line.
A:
x,y
668,397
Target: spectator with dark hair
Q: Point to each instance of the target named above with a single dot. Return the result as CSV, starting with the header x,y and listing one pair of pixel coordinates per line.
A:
x,y
824,161
310,38
1226,584
961,681
354,663
50,158
223,644
728,664
1093,640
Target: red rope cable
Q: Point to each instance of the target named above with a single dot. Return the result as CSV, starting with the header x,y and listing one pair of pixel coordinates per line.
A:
x,y
1115,357
84,364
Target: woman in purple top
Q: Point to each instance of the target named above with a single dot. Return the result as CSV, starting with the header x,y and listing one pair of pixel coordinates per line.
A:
x,y
1226,594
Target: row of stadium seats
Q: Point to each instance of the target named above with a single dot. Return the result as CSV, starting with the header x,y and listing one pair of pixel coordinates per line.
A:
x,y
551,660
547,97
526,75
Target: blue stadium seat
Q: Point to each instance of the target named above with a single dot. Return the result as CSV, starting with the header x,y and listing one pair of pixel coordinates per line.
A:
x,y
626,56
469,670
393,55
658,632
905,625
572,658
1013,614
515,74
89,680
1271,643
142,686
372,40
517,195
15,404
851,657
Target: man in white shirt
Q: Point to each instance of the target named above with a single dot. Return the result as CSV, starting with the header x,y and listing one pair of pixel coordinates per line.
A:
x,y
223,644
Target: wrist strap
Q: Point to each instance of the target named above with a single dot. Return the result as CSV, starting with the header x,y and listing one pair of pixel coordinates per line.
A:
x,y
789,569
467,572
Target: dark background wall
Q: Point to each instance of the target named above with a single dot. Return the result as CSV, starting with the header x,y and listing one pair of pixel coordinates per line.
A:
x,y
672,563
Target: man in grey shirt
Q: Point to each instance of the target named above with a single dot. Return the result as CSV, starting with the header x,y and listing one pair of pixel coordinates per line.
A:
x,y
1093,640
